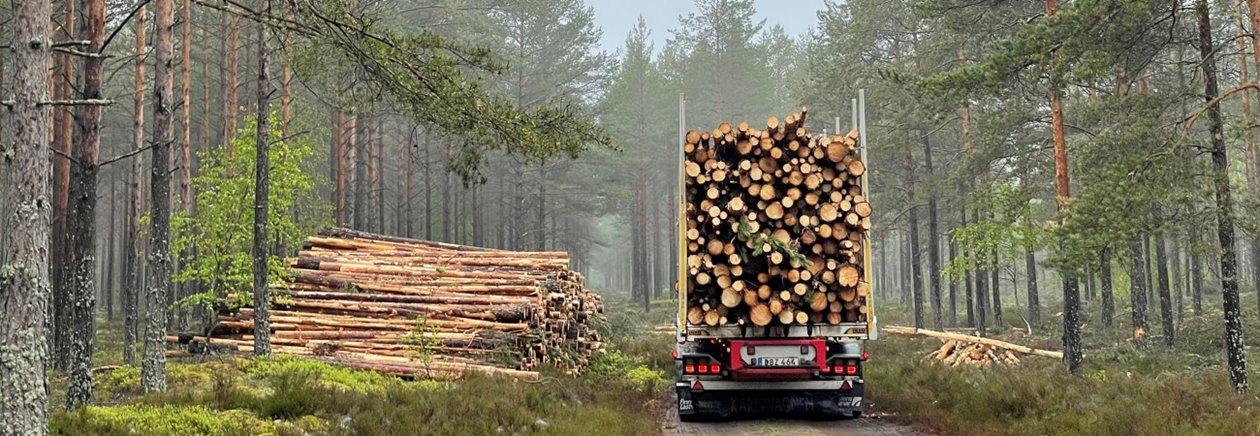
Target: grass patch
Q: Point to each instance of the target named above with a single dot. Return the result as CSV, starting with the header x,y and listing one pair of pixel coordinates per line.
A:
x,y
621,395
1123,389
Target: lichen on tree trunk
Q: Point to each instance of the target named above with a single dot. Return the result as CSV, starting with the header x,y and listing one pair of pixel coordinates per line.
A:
x,y
24,285
153,368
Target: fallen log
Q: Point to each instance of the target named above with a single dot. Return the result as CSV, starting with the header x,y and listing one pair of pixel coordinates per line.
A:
x,y
972,339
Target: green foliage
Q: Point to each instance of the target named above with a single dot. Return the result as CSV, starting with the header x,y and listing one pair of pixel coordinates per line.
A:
x,y
1125,392
221,231
161,420
422,339
760,239
436,80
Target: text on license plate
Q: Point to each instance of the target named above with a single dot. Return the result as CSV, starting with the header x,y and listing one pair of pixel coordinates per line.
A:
x,y
777,361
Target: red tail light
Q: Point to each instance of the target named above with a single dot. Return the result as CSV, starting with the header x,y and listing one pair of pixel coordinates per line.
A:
x,y
851,369
838,369
689,368
715,368
866,355
704,369
674,354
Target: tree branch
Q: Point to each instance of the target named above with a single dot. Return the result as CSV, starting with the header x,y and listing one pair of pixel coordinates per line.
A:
x,y
66,156
124,156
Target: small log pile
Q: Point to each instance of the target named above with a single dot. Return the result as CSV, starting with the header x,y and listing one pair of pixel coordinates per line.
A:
x,y
954,353
776,219
421,308
959,349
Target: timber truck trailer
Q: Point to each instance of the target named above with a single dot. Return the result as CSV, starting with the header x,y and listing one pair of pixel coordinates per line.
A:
x,y
811,370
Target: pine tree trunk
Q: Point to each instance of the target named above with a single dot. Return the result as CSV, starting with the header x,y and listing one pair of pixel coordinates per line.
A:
x,y
1147,254
1237,363
185,143
378,158
358,174
410,172
81,231
339,167
230,70
153,371
428,191
1250,158
953,285
996,271
24,404
448,229
1104,279
933,238
967,279
1137,292
982,299
1034,301
262,185
370,154
111,253
1178,289
540,238
1165,298
916,263
63,131
131,292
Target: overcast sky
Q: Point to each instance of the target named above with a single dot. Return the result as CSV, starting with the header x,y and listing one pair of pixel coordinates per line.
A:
x,y
617,17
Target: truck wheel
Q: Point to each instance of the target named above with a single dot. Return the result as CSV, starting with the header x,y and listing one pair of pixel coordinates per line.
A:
x,y
856,414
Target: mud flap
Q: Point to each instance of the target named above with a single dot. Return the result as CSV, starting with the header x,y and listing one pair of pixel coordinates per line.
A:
x,y
723,405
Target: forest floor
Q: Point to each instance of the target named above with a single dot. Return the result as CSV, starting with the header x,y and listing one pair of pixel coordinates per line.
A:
x,y
1123,389
620,394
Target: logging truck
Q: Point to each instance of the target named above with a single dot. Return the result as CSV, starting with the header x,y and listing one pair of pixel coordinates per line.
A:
x,y
774,301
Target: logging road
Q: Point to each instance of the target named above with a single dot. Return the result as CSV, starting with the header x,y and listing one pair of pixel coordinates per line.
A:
x,y
671,426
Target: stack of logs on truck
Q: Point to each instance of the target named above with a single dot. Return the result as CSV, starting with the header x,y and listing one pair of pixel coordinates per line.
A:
x,y
423,309
776,222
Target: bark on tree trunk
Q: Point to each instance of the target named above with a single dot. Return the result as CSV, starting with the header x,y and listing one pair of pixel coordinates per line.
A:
x,y
185,143
1072,355
262,302
982,298
153,371
111,252
230,71
339,167
428,191
967,280
63,131
81,232
131,292
996,271
372,154
1196,273
1176,277
1104,279
916,263
1137,292
410,172
24,354
1250,158
1165,298
933,237
953,285
1237,361
1034,302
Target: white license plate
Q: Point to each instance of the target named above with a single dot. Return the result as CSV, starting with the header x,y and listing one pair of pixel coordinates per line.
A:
x,y
777,361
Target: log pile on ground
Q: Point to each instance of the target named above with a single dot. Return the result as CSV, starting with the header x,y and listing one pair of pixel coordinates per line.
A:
x,y
420,308
776,219
959,349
